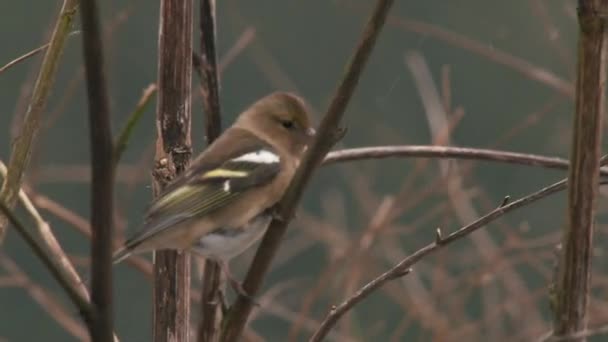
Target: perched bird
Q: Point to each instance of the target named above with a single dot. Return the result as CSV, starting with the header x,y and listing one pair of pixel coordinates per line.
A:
x,y
224,201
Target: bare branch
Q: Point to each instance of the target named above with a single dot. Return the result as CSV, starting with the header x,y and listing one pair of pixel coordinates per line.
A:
x,y
29,54
22,146
46,300
574,276
85,309
102,175
134,117
424,151
211,307
402,267
79,173
173,150
52,245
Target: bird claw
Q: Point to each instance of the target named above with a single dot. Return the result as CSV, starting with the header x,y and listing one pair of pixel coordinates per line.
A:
x,y
240,290
276,214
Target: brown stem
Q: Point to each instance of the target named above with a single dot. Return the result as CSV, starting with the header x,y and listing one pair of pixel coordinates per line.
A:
x,y
574,275
327,135
173,149
102,175
211,311
403,267
22,146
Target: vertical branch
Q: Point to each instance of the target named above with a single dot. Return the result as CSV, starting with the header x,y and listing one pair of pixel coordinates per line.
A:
x,y
102,178
210,83
173,150
327,135
575,266
22,146
211,313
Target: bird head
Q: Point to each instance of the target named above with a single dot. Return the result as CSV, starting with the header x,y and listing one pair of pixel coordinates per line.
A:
x,y
282,119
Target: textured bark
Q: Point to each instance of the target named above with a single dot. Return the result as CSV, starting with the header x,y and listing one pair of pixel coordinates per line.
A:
x,y
173,150
574,276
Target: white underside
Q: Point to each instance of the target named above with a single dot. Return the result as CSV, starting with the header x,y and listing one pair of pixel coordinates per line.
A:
x,y
224,246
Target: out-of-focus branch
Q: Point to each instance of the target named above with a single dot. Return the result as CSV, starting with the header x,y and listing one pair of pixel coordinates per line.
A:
x,y
102,175
52,245
574,276
211,304
403,267
46,300
327,135
80,173
173,150
28,55
84,308
22,146
423,151
134,117
590,332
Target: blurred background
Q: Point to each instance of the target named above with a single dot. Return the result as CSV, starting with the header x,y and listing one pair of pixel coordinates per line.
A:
x,y
503,71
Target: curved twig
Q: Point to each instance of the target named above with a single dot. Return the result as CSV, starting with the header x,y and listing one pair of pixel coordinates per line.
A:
x,y
403,267
425,151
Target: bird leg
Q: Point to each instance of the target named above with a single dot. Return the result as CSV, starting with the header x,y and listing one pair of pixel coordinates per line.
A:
x,y
275,213
236,285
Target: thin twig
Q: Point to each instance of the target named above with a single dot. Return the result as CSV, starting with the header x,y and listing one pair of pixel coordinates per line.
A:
x,y
80,173
85,309
424,151
134,117
517,64
404,266
29,54
22,146
52,245
328,134
45,298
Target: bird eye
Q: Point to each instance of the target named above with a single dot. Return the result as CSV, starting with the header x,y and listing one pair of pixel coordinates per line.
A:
x,y
288,124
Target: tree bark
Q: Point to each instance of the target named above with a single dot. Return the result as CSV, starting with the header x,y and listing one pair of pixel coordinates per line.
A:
x,y
173,150
575,266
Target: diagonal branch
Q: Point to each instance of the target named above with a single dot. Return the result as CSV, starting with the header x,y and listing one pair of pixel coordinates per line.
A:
x,y
327,135
85,309
404,267
29,54
22,146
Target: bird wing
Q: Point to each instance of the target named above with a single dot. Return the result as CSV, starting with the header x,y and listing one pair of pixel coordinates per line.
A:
x,y
205,187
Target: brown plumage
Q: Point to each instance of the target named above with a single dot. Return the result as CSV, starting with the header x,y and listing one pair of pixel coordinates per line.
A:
x,y
221,204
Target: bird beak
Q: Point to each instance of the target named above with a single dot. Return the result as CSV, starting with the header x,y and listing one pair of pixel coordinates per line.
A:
x,y
311,132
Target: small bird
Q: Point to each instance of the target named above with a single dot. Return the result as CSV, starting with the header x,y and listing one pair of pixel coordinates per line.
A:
x,y
225,200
